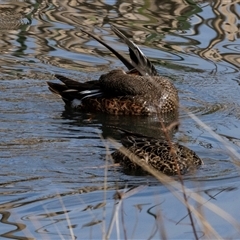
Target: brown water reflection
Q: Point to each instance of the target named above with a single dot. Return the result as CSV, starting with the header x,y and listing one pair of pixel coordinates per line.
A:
x,y
53,161
176,25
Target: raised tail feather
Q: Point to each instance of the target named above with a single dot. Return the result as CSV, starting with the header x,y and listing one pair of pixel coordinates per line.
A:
x,y
124,60
56,87
139,60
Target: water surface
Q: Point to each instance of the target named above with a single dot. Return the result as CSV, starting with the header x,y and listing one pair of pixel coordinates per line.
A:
x,y
54,182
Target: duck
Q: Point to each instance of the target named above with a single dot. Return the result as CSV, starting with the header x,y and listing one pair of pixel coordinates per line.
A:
x,y
162,155
138,91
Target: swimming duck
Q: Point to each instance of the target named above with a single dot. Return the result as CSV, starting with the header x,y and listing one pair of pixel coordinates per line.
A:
x,y
139,91
160,154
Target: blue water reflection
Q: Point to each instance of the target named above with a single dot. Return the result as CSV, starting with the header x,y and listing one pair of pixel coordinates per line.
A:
x,y
53,161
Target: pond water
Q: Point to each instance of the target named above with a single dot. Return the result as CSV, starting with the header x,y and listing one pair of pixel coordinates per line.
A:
x,y
55,182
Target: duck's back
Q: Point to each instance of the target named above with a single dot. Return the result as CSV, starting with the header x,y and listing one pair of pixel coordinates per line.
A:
x,y
157,153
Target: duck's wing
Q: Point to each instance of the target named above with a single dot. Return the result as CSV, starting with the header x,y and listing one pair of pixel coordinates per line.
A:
x,y
124,60
71,90
139,60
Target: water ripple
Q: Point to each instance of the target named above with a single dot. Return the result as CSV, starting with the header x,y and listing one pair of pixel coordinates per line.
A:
x,y
53,161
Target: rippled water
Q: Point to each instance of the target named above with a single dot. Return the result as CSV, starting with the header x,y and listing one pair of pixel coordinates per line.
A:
x,y
54,182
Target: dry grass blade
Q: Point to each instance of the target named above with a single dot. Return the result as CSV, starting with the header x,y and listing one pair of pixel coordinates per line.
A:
x,y
120,196
174,154
92,223
174,185
233,153
67,218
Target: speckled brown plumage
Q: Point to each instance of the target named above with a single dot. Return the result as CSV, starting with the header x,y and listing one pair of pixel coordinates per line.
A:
x,y
140,91
157,154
